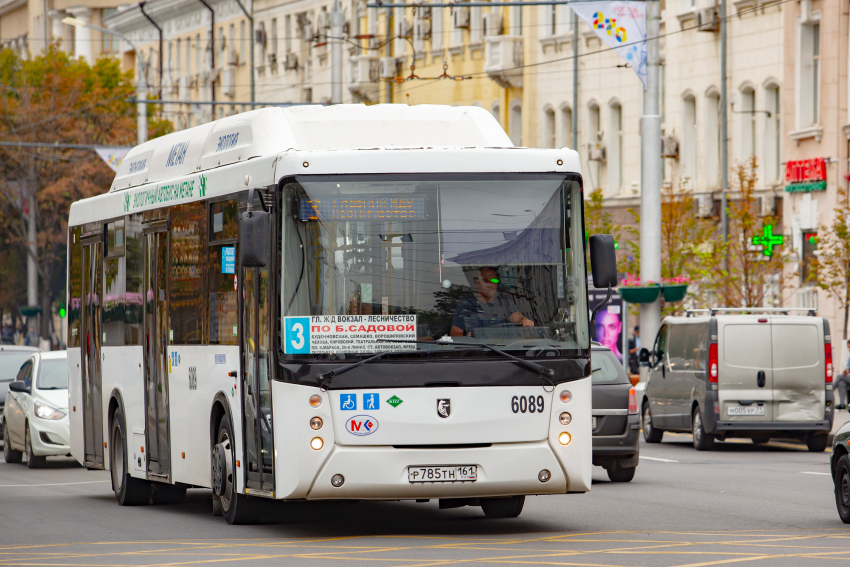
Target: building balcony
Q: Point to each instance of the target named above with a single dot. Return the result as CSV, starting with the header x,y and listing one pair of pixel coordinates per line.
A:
x,y
363,76
503,60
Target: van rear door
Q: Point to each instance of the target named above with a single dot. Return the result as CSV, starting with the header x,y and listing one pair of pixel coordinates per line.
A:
x,y
745,373
798,369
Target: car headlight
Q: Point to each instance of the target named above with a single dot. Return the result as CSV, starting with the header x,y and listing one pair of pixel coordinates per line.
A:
x,y
46,412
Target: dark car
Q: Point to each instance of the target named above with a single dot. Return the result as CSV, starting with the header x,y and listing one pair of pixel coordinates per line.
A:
x,y
839,466
616,423
11,359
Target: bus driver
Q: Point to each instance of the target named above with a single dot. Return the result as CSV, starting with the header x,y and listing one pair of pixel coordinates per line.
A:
x,y
486,306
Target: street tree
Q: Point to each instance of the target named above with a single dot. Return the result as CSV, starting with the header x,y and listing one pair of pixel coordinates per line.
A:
x,y
57,99
753,253
832,264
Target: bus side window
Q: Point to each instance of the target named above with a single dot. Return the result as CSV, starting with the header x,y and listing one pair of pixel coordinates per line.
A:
x,y
186,278
75,286
222,257
114,285
133,307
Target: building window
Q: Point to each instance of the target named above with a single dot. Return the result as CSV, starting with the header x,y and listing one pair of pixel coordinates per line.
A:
x,y
287,29
515,123
231,44
476,23
551,19
436,28
274,36
198,53
808,82
595,146
772,152
748,123
615,150
712,140
109,43
567,127
689,140
550,134
810,246
177,67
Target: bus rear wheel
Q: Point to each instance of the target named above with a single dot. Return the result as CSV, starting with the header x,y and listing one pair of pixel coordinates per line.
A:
x,y
509,507
236,508
129,491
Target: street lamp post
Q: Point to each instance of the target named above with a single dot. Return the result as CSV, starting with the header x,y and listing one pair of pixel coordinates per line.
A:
x,y
141,87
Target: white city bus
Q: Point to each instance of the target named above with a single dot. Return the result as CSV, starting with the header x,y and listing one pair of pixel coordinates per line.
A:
x,y
334,303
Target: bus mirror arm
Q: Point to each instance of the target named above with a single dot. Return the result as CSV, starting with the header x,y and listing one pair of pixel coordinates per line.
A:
x,y
595,311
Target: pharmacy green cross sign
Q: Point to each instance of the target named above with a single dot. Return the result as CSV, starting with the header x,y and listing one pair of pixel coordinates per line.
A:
x,y
768,240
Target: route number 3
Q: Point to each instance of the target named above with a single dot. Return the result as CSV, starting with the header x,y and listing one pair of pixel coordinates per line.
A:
x,y
298,341
529,404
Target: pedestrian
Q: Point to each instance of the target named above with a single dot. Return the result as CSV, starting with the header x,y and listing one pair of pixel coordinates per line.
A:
x,y
31,338
634,347
843,383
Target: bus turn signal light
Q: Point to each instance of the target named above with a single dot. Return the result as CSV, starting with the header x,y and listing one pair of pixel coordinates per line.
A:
x,y
566,396
315,400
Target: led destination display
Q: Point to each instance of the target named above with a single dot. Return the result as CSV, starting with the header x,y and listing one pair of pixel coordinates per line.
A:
x,y
360,208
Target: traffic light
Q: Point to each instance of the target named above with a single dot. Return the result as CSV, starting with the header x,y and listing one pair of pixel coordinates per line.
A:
x,y
62,312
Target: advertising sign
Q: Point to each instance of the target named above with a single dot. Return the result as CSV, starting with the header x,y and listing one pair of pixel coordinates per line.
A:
x,y
805,175
348,333
620,25
610,321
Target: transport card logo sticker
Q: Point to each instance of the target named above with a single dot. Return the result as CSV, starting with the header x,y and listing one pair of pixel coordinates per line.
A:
x,y
361,425
371,402
444,407
348,402
395,401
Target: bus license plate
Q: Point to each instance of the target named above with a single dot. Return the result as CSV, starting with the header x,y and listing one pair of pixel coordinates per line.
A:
x,y
745,410
468,473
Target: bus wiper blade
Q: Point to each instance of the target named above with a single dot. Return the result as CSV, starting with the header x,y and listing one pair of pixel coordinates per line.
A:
x,y
325,378
527,364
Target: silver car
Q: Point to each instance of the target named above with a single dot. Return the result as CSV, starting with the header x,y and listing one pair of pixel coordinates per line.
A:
x,y
35,419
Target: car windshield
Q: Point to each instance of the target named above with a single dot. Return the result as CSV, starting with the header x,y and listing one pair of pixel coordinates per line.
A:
x,y
53,375
480,258
605,368
10,363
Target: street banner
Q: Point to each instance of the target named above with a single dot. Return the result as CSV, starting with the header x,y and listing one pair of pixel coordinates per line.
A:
x,y
112,156
620,25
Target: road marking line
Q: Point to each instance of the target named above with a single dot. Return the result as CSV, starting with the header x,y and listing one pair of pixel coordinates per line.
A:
x,y
659,460
52,484
812,472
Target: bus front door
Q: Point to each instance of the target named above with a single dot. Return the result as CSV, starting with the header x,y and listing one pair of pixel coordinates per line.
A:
x,y
90,360
256,380
156,352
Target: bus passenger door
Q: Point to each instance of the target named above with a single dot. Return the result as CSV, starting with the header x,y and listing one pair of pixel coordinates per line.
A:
x,y
156,352
92,267
256,378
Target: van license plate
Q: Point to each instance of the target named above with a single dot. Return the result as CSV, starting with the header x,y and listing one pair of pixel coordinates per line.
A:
x,y
466,473
745,410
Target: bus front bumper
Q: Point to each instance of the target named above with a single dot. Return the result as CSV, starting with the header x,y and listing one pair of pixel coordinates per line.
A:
x,y
381,473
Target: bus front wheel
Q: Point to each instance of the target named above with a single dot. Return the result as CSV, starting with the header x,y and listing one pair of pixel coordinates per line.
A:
x,y
236,508
129,491
509,507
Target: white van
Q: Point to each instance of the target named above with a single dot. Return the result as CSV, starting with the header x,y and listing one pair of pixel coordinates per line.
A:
x,y
757,373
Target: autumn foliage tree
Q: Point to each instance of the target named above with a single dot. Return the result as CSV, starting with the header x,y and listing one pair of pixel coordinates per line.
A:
x,y
832,264
57,99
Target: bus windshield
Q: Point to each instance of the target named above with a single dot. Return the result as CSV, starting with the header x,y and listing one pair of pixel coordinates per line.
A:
x,y
474,258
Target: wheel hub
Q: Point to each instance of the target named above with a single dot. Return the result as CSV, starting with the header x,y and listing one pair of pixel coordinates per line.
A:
x,y
219,472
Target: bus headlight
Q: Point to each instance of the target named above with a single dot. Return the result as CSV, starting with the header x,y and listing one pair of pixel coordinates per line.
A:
x,y
46,412
317,443
564,438
316,423
565,418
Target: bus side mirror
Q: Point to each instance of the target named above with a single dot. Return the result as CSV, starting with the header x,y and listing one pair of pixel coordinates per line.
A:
x,y
643,357
603,261
253,236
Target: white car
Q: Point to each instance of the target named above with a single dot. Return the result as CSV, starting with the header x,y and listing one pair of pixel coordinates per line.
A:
x,y
35,419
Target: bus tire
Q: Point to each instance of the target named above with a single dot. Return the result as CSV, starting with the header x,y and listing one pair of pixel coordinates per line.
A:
x,y
509,507
163,493
129,491
11,455
236,508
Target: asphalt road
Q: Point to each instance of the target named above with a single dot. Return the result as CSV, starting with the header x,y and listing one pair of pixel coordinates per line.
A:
x,y
763,505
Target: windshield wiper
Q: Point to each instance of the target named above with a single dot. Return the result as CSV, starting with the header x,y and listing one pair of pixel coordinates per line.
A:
x,y
325,378
528,365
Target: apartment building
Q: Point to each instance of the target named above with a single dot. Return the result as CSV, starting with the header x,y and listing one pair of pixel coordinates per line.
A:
x,y
816,138
25,29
